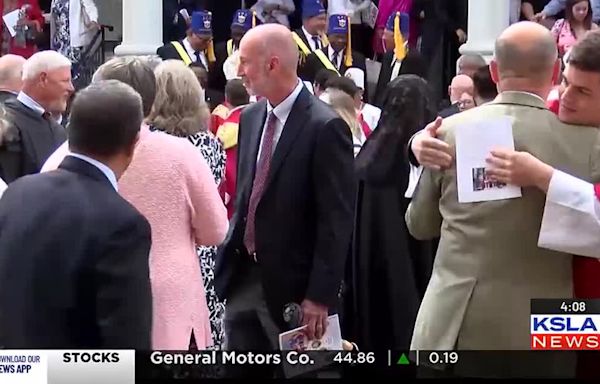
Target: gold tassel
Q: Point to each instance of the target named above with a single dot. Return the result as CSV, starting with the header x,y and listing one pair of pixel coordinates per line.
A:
x,y
324,40
400,48
253,19
211,52
348,60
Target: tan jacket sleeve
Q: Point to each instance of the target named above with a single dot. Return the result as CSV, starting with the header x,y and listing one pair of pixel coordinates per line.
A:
x,y
423,217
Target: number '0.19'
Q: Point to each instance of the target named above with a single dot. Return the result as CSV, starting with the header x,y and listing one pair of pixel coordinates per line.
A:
x,y
443,357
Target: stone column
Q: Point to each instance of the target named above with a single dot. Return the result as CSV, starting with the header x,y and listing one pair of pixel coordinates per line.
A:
x,y
487,19
142,28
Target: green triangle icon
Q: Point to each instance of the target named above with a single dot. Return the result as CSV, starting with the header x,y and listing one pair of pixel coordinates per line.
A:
x,y
403,360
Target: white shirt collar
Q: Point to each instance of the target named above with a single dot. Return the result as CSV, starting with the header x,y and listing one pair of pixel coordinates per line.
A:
x,y
110,175
309,38
339,59
30,103
282,110
3,187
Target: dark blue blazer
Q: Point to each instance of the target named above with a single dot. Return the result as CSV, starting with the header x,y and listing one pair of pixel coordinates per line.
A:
x,y
73,263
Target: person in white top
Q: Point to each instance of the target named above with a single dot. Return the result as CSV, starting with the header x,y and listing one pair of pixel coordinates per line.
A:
x,y
274,11
368,112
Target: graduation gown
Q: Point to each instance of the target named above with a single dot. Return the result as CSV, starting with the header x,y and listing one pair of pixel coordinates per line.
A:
x,y
313,65
388,270
413,64
217,78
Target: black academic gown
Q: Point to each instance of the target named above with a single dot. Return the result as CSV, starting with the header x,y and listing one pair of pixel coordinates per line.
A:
x,y
313,65
413,64
389,270
217,78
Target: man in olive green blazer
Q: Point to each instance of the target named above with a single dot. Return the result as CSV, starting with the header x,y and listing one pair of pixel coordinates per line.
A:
x,y
488,265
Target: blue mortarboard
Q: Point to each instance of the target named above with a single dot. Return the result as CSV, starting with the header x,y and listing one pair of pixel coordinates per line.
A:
x,y
312,8
202,23
338,24
244,18
404,23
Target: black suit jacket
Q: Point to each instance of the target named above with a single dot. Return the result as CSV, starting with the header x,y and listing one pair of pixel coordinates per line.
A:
x,y
217,78
413,64
73,264
304,219
313,65
28,142
6,95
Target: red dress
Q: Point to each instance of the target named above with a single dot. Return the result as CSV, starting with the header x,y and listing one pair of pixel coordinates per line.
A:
x,y
35,14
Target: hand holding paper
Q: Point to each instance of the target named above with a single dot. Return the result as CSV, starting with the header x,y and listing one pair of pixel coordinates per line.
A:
x,y
519,168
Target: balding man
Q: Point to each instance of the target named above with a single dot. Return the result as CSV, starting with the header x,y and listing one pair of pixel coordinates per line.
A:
x,y
11,73
291,230
460,85
34,134
469,63
488,265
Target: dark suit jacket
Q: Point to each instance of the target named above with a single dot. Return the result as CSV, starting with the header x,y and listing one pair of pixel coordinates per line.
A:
x,y
30,140
449,111
413,64
217,78
304,219
74,264
168,52
313,65
6,95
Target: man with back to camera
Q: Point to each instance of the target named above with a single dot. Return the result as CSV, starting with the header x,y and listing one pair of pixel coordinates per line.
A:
x,y
291,230
495,271
74,264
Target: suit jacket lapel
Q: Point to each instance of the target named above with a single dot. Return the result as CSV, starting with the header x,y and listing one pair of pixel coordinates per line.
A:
x,y
291,129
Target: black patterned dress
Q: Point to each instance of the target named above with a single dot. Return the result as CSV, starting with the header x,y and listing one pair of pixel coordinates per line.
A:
x,y
214,154
60,41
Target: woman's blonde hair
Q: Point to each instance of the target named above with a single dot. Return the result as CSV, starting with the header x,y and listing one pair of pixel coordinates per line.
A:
x,y
343,104
179,107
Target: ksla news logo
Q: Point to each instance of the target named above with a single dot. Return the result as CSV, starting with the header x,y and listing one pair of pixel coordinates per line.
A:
x,y
565,332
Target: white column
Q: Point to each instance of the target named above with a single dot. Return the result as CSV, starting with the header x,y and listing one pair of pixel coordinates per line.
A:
x,y
142,28
487,19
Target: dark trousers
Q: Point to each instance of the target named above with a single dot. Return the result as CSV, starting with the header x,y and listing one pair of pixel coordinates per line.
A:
x,y
248,323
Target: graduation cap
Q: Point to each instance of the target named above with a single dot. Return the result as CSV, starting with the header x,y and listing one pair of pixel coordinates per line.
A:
x,y
399,23
340,25
244,18
202,25
312,8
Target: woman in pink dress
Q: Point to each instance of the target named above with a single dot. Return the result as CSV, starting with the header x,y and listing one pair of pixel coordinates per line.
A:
x,y
577,22
171,184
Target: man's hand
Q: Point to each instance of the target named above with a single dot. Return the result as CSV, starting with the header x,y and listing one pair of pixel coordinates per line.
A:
x,y
519,168
429,151
539,16
462,35
314,316
94,25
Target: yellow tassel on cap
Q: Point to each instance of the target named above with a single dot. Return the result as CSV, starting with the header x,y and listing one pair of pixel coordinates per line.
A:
x,y
253,19
400,49
210,52
348,59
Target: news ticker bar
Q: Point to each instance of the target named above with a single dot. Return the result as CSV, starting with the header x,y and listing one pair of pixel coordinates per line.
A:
x,y
565,306
125,366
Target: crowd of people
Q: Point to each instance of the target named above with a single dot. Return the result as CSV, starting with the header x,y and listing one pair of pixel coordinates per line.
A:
x,y
193,199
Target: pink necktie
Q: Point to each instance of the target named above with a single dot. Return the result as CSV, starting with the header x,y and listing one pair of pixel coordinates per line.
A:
x,y
260,178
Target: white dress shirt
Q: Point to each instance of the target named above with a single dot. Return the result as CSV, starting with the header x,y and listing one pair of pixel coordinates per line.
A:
x,y
192,53
571,221
337,63
3,187
30,103
396,65
110,175
282,112
311,42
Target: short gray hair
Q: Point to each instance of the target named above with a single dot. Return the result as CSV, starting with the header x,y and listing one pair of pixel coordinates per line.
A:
x,y
133,71
44,61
